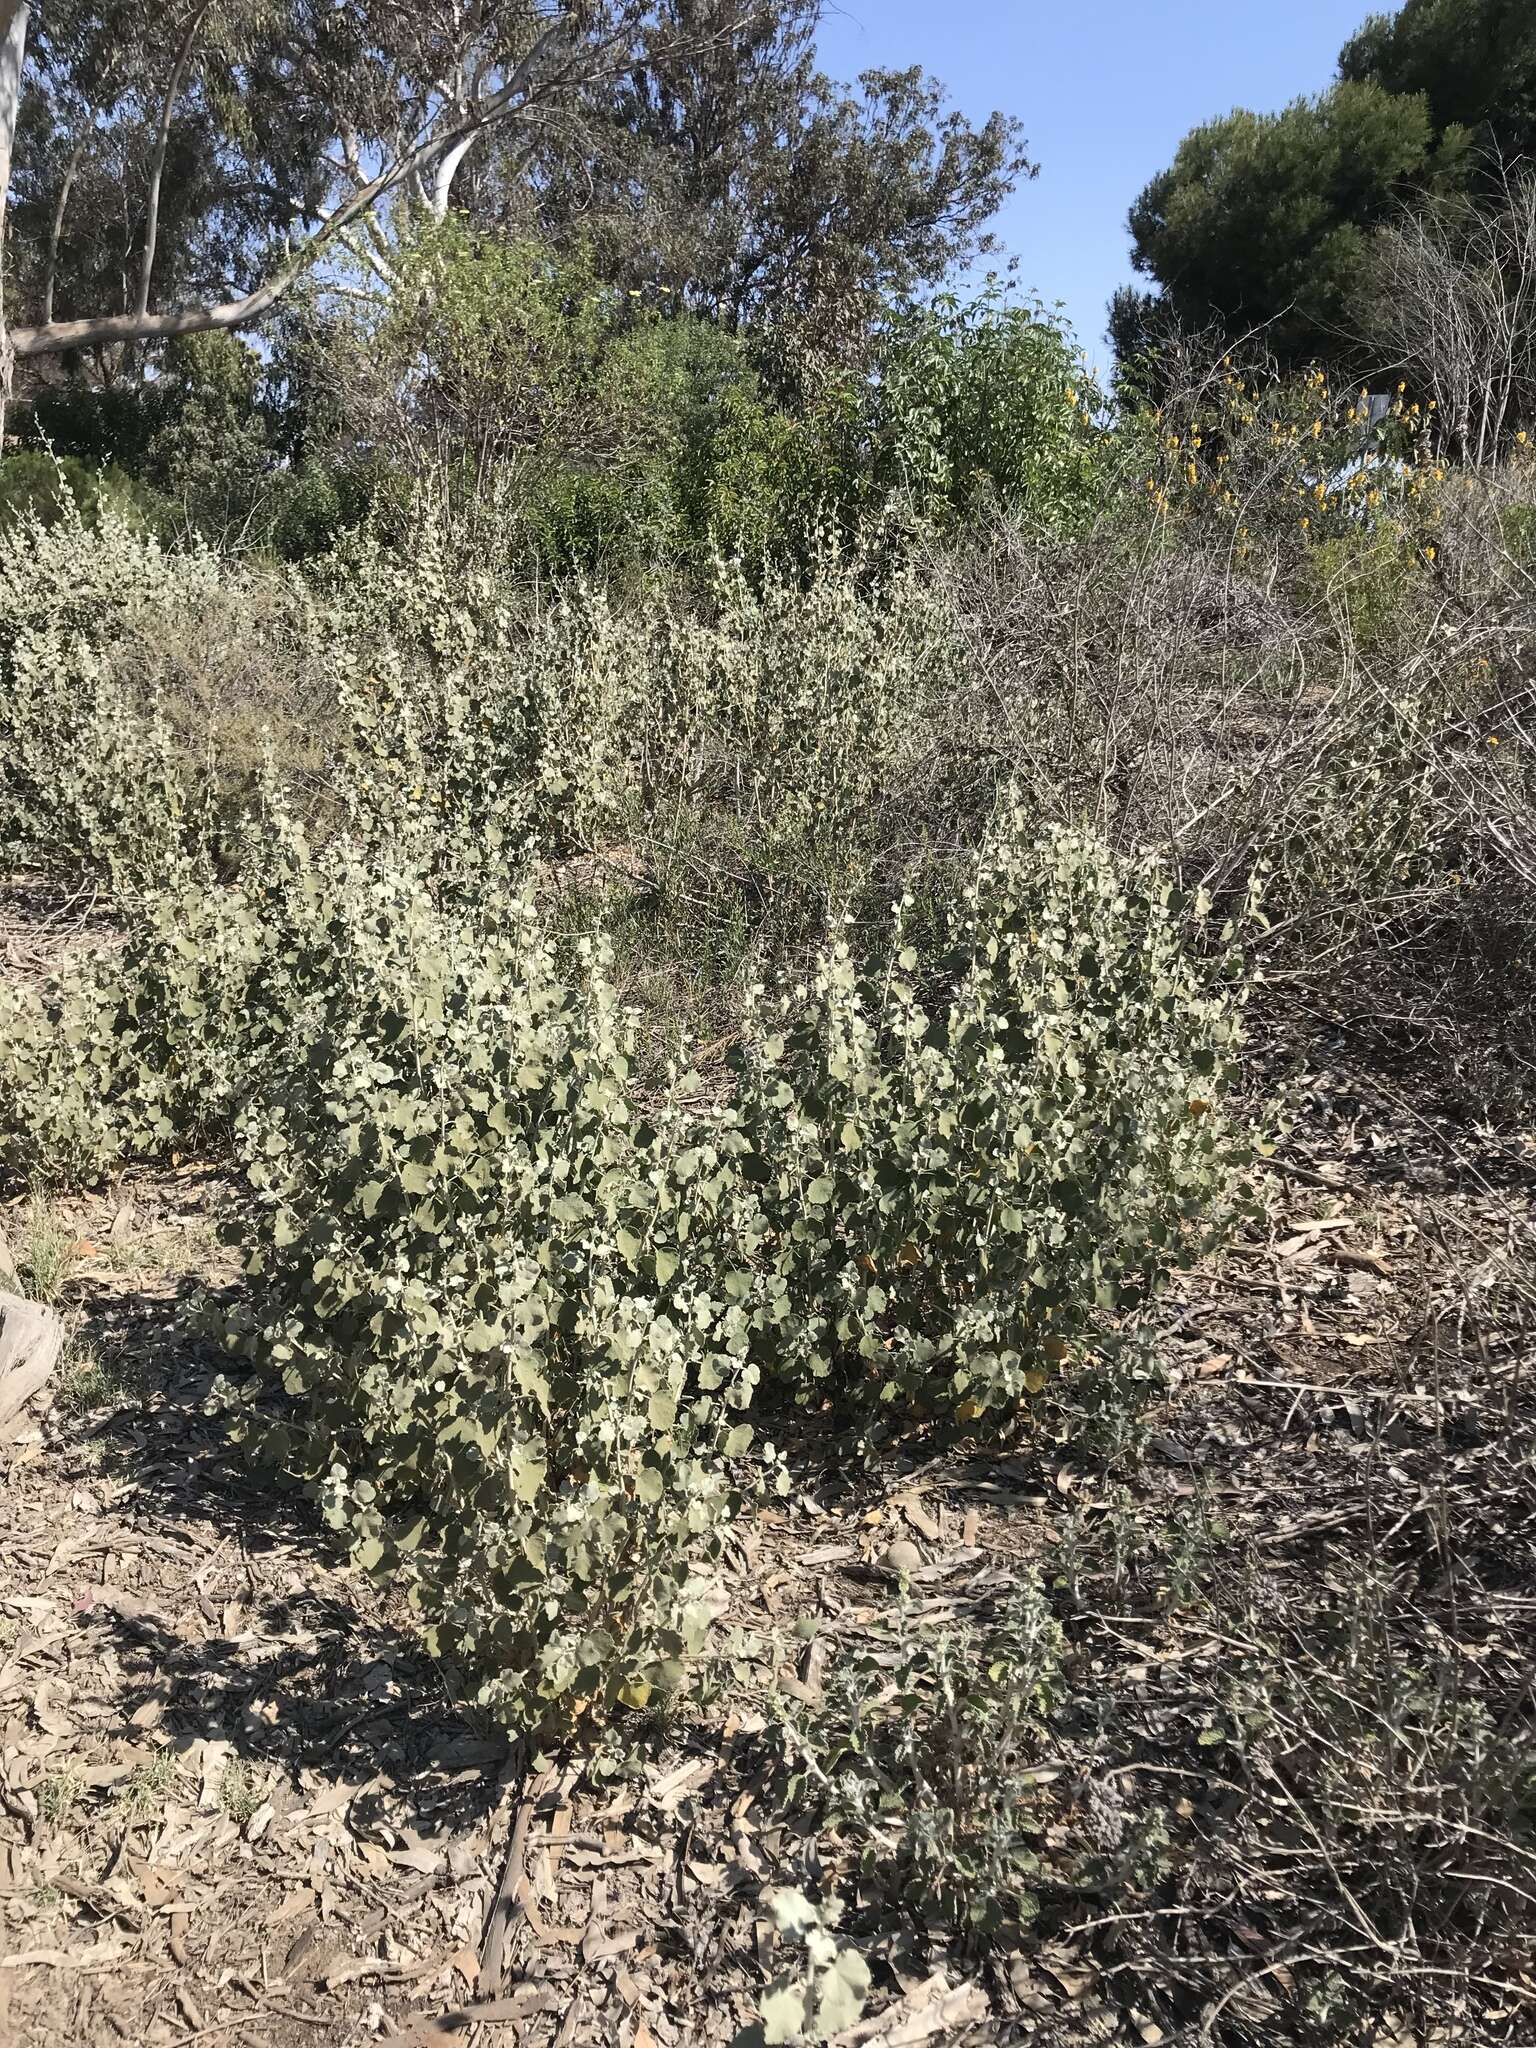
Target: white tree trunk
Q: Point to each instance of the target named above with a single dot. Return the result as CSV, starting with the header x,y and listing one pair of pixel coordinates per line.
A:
x,y
447,168
429,164
13,52
157,163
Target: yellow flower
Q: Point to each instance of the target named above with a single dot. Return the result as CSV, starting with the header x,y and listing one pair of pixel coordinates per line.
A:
x,y
1493,739
1429,554
1520,437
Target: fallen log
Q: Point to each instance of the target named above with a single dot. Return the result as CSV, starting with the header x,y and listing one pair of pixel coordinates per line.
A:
x,y
31,1342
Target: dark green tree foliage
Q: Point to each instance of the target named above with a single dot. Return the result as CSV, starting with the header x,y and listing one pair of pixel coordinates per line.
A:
x,y
1139,324
195,433
1261,218
1473,60
723,166
211,452
97,425
36,485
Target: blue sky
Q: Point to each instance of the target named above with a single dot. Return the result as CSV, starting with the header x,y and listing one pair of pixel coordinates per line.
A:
x,y
1105,90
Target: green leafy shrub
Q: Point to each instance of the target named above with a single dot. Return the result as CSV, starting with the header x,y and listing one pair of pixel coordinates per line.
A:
x,y
187,450
513,1314
778,739
89,770
919,1761
210,454
822,1992
978,1162
1362,579
315,506
476,742
1517,527
979,402
580,427
151,1045
37,485
141,692
76,1096
569,425
520,1315
1356,823
748,476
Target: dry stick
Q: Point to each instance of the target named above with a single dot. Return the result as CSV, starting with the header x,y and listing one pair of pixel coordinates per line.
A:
x,y
1213,2012
249,2019
1309,1175
507,1904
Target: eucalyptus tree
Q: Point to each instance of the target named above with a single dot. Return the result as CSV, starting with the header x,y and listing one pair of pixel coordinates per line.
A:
x,y
177,170
723,166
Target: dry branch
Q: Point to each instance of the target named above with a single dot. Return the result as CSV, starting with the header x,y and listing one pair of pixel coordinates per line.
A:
x,y
31,1340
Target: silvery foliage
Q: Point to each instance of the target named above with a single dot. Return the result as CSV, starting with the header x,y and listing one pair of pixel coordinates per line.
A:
x,y
822,1993
515,1313
982,1155
518,1311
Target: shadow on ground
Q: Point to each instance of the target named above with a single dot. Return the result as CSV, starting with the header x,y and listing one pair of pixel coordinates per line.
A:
x,y
240,1624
